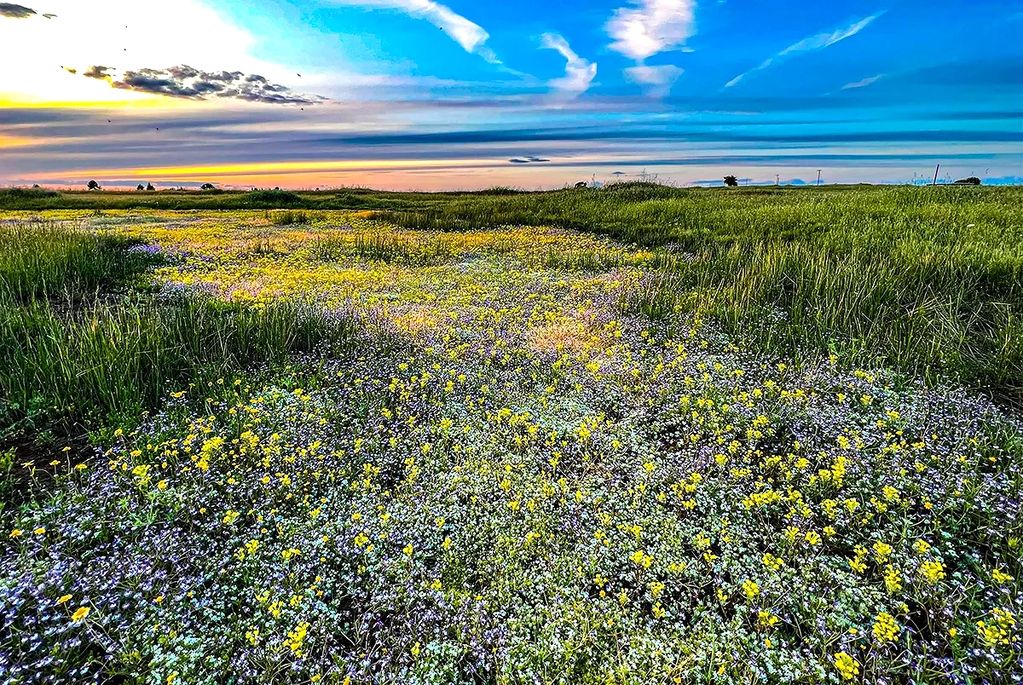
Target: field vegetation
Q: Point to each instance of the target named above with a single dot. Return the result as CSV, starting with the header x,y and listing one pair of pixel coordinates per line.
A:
x,y
926,280
84,344
630,435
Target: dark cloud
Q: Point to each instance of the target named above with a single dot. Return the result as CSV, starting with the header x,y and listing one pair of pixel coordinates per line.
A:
x,y
528,160
97,72
12,11
715,182
183,81
187,82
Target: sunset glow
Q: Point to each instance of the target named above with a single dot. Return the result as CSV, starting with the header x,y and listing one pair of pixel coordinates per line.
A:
x,y
378,93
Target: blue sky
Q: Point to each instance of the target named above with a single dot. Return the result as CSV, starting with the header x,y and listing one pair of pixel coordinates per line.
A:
x,y
423,94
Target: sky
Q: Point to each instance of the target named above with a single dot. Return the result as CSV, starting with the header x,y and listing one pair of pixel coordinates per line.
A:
x,y
420,94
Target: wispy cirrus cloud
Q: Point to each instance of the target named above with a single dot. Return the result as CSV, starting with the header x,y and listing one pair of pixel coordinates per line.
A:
x,y
812,43
187,82
579,72
864,82
470,35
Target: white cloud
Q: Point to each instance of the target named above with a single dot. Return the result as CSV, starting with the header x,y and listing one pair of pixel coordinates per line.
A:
x,y
579,72
651,27
470,35
863,83
658,80
815,42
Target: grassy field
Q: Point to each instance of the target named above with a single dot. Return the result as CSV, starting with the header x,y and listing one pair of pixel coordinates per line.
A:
x,y
925,280
83,346
630,435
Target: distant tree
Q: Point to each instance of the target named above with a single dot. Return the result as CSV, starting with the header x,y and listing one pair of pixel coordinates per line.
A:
x,y
731,181
93,186
207,186
140,187
971,181
149,187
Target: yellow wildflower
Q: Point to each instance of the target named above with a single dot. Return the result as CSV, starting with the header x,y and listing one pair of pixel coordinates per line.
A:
x,y
997,631
1001,577
847,666
885,627
892,579
772,562
882,551
296,638
932,571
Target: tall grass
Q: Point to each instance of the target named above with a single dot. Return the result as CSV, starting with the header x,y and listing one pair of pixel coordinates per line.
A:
x,y
288,217
73,356
45,259
112,361
939,313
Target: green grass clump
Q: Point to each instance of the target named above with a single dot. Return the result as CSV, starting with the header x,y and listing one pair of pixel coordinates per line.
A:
x,y
272,198
72,354
109,361
384,247
288,217
19,195
40,260
906,301
395,249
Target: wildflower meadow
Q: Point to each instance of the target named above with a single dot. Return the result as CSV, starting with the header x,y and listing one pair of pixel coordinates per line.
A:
x,y
335,446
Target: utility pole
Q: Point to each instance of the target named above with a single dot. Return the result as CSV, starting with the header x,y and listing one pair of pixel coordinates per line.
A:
x,y
935,181
818,177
